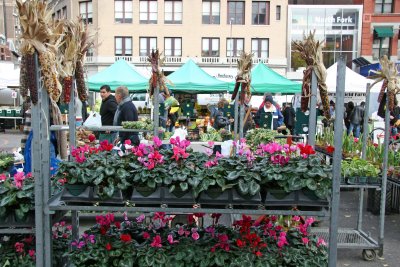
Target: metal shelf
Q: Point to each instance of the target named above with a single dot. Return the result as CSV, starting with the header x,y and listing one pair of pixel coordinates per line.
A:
x,y
17,230
55,204
99,129
348,238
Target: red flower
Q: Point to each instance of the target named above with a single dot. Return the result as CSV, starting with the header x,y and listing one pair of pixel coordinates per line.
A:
x,y
376,145
258,254
330,149
91,137
103,230
118,225
146,235
240,243
306,149
19,247
126,238
108,246
156,242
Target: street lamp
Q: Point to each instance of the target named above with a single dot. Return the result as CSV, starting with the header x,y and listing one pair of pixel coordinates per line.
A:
x,y
231,42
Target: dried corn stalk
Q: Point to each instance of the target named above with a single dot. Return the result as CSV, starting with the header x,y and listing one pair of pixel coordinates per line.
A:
x,y
157,75
310,51
86,41
388,74
243,76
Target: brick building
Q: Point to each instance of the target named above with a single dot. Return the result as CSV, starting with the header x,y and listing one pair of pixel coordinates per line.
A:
x,y
380,29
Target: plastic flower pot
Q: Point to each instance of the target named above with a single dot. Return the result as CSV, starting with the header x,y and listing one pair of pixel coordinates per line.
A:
x,y
75,189
178,192
278,193
145,190
362,179
214,192
310,194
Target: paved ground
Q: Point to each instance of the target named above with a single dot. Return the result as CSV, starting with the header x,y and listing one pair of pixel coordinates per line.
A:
x,y
9,141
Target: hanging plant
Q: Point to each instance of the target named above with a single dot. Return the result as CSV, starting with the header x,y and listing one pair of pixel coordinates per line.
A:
x,y
243,77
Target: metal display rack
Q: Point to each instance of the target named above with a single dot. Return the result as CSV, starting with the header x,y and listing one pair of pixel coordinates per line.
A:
x,y
45,205
356,238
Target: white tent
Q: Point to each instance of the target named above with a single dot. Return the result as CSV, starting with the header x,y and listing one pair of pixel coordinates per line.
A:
x,y
9,76
355,87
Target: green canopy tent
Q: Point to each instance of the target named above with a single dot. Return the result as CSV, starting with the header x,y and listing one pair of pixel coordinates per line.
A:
x,y
119,73
190,78
265,80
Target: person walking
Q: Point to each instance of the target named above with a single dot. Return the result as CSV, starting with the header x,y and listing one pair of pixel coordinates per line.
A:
x,y
356,119
126,111
349,109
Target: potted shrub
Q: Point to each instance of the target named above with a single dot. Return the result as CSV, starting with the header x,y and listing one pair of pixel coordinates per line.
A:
x,y
17,196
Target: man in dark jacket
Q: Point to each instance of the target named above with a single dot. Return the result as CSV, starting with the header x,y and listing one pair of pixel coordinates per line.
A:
x,y
126,111
289,117
108,105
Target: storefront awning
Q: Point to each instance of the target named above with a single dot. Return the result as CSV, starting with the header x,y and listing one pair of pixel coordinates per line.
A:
x,y
383,32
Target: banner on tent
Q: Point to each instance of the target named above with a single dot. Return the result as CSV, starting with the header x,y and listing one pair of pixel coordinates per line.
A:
x,y
350,96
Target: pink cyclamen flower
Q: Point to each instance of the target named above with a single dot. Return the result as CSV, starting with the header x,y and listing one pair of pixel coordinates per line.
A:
x,y
171,240
157,141
19,177
321,242
3,177
32,253
195,235
141,218
296,218
305,240
156,242
146,235
19,247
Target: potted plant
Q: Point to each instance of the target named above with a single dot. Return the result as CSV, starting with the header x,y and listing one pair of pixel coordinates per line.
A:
x,y
6,161
359,171
258,136
17,196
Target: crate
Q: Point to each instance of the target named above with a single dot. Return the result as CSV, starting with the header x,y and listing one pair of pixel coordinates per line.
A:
x,y
18,113
392,198
2,112
10,113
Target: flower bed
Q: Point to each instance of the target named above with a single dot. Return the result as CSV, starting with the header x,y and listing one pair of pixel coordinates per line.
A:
x,y
269,241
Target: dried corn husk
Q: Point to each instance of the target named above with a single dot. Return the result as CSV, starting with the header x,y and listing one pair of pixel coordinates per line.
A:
x,y
243,76
311,51
157,75
389,75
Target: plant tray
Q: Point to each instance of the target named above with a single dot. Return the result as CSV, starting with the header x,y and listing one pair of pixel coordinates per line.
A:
x,y
360,181
115,199
239,200
170,198
83,197
221,201
11,221
153,198
296,198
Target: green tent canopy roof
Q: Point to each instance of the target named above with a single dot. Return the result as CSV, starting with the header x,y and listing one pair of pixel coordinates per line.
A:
x,y
265,80
119,73
190,78
383,32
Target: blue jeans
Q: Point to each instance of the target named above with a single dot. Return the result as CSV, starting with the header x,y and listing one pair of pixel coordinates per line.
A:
x,y
355,129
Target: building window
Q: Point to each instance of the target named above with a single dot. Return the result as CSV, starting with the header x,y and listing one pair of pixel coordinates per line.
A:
x,y
86,12
59,16
260,13
173,12
173,46
278,12
234,47
90,52
123,11
383,6
64,12
211,10
210,47
146,45
148,12
260,48
123,46
236,12
380,47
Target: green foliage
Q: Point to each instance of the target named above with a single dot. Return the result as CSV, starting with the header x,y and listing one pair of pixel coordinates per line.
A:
x,y
359,168
6,161
257,136
144,124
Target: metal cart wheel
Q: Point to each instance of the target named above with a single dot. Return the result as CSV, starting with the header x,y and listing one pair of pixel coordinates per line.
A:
x,y
369,254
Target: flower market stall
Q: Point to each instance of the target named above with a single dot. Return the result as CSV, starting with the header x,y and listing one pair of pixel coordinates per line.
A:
x,y
284,183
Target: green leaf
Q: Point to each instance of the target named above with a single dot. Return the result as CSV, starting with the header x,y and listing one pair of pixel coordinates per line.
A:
x,y
99,179
109,171
151,183
254,188
184,186
311,184
232,175
8,200
180,255
194,181
221,182
172,188
158,180
109,190
243,187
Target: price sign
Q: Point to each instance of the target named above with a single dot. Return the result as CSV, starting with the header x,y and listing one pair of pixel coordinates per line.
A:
x,y
13,94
